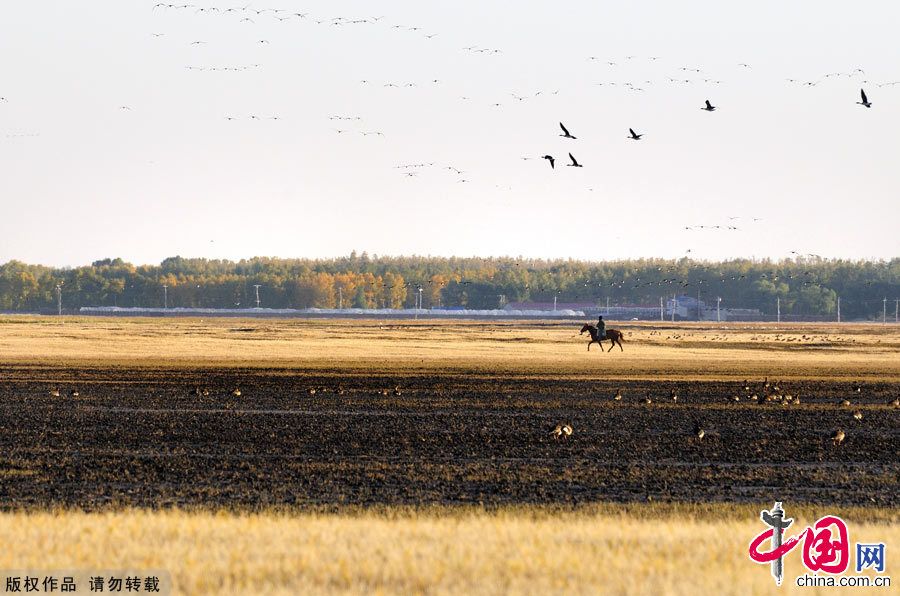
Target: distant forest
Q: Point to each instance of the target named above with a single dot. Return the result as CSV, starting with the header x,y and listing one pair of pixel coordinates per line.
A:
x,y
805,286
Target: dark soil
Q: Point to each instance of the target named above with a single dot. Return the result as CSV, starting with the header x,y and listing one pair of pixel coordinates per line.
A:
x,y
146,438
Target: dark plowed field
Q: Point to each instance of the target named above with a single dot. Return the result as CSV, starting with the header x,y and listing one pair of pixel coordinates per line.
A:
x,y
147,438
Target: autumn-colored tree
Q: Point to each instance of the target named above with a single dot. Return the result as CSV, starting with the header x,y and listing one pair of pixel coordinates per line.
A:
x,y
323,291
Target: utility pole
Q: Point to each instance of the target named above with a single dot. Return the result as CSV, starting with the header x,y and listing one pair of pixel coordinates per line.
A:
x,y
839,309
698,302
718,307
165,296
662,310
607,306
257,286
340,298
778,306
884,312
59,299
554,304
674,305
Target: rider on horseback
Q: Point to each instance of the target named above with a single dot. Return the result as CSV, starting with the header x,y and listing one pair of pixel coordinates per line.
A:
x,y
601,328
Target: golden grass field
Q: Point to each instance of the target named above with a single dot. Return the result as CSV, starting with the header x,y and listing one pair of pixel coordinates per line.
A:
x,y
652,350
600,548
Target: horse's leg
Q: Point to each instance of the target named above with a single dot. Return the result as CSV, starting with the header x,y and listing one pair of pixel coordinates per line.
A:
x,y
612,344
619,341
589,345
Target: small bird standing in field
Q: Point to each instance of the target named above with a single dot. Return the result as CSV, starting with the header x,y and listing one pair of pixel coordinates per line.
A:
x,y
618,395
54,393
837,437
562,430
236,393
857,415
699,432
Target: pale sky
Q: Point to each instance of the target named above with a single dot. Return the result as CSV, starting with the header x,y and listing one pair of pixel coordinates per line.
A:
x,y
82,178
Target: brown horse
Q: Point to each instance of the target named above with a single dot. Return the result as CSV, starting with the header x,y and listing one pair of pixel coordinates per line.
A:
x,y
613,335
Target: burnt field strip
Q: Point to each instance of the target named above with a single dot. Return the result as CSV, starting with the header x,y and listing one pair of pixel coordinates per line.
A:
x,y
180,437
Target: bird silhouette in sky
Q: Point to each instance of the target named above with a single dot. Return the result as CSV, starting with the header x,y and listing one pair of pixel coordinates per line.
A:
x,y
865,100
566,133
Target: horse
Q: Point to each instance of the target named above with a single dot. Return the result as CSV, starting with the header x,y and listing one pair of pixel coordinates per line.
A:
x,y
613,335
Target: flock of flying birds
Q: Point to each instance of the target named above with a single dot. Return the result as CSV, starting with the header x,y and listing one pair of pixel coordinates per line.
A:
x,y
632,135
355,125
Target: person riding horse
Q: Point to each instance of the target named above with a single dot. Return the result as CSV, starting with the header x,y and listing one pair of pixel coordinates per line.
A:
x,y
601,328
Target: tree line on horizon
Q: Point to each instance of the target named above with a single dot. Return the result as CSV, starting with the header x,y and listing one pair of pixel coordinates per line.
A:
x,y
806,287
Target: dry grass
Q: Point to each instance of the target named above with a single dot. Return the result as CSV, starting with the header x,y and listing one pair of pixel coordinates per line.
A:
x,y
519,551
601,549
688,351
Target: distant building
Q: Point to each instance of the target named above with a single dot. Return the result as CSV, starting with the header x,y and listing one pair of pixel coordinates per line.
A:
x,y
592,309
586,307
631,311
686,308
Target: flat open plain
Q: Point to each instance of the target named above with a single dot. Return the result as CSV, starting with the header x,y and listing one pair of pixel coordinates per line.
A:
x,y
415,457
334,413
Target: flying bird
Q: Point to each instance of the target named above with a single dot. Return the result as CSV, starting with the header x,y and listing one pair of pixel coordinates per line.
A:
x,y
709,107
574,163
634,136
566,133
865,100
551,160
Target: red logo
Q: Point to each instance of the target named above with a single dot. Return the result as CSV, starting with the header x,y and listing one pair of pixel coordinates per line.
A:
x,y
820,551
826,544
